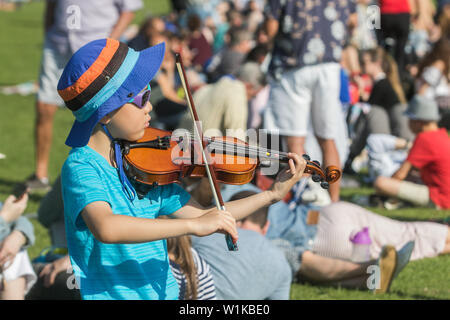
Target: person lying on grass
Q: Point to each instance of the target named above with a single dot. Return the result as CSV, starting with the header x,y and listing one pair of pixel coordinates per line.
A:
x,y
315,240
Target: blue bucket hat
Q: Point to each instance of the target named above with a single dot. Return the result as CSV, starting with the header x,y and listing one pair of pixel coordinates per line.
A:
x,y
101,77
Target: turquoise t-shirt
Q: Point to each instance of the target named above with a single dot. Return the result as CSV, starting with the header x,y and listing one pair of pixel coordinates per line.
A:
x,y
115,271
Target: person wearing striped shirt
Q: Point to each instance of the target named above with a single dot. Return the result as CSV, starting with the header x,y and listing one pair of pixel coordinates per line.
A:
x,y
192,272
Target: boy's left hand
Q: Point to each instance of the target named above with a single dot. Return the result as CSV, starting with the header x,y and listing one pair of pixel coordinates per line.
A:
x,y
287,178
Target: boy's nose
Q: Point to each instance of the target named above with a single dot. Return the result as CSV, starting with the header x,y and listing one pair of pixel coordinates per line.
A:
x,y
148,107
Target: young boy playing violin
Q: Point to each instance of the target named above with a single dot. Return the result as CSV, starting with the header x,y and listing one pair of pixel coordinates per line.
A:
x,y
116,243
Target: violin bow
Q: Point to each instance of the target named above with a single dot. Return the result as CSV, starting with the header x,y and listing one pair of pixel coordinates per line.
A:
x,y
211,173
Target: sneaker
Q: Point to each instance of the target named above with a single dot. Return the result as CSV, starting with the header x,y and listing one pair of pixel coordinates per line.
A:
x,y
377,200
37,184
392,204
361,200
403,256
388,264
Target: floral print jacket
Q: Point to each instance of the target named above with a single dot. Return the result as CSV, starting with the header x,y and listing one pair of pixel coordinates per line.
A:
x,y
310,31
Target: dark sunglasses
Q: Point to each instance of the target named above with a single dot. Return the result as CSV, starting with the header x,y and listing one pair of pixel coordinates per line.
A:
x,y
142,98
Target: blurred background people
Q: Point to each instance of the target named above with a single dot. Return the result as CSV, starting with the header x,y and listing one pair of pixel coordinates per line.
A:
x,y
68,25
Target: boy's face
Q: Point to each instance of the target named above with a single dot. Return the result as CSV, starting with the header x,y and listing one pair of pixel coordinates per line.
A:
x,y
129,121
415,126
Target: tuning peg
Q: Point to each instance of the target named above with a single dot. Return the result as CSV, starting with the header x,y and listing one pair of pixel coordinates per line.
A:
x,y
316,178
324,185
316,162
306,157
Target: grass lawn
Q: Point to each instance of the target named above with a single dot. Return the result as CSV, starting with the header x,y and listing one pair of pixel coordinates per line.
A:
x,y
21,38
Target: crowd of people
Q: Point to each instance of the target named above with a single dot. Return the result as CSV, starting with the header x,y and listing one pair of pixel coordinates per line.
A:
x,y
330,79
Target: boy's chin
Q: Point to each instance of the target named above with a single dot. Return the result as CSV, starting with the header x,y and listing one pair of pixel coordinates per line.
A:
x,y
136,136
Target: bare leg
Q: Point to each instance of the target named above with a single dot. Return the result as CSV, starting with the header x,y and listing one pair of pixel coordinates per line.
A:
x,y
353,283
45,114
350,60
447,243
14,290
324,269
387,186
331,158
296,145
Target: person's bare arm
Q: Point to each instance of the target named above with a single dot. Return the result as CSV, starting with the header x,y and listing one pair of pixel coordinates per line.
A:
x,y
271,28
438,64
168,90
414,6
242,208
353,21
403,171
108,227
319,268
401,144
239,209
124,20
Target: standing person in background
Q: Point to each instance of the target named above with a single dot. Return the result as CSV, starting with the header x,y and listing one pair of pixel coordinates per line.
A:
x,y
69,24
308,39
395,22
423,31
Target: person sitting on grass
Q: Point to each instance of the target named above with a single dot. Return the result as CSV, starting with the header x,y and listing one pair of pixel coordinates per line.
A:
x,y
56,279
192,272
430,154
16,234
315,241
258,271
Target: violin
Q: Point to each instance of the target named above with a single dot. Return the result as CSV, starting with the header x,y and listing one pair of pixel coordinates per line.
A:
x,y
161,157
158,159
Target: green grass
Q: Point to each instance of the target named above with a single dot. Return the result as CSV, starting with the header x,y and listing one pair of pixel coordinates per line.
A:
x,y
422,279
21,38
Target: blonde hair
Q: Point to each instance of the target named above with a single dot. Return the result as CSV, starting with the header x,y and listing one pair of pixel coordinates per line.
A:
x,y
180,248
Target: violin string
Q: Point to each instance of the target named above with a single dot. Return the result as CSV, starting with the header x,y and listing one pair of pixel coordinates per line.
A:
x,y
247,149
263,155
259,152
244,148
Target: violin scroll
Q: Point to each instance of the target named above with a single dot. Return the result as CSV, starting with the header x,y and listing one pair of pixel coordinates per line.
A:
x,y
331,174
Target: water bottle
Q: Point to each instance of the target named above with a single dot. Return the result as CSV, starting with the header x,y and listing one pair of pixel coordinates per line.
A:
x,y
361,245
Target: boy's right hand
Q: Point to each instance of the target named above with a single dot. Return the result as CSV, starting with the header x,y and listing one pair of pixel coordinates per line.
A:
x,y
13,208
215,221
